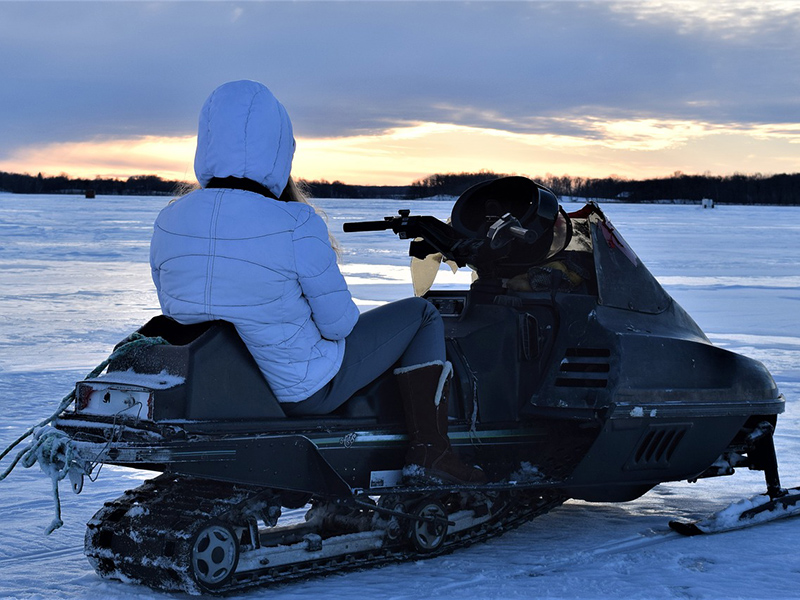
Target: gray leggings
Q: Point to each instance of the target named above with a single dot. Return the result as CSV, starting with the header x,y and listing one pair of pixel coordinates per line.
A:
x,y
409,330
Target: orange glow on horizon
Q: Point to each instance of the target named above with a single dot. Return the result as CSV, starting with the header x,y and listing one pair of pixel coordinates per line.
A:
x,y
167,157
626,148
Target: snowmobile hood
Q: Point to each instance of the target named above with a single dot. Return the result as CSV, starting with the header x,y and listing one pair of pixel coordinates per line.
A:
x,y
244,132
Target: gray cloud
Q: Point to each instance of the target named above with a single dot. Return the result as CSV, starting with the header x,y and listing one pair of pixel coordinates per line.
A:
x,y
73,71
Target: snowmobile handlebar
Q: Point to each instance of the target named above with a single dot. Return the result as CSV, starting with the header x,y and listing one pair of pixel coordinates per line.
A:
x,y
430,235
367,226
407,226
504,227
399,224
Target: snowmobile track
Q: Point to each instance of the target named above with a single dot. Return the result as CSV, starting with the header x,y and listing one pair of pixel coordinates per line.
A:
x,y
146,536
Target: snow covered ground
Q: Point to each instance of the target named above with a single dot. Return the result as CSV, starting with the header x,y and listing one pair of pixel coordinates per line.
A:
x,y
74,279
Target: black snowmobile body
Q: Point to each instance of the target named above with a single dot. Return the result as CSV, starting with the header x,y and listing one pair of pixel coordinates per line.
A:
x,y
575,376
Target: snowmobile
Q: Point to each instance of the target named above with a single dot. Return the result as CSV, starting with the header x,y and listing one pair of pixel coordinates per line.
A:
x,y
575,376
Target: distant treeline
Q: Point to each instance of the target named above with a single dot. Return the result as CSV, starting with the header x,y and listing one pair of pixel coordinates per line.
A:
x,y
138,185
730,189
337,189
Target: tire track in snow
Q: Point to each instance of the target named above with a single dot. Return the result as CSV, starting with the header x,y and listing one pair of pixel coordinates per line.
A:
x,y
629,544
43,555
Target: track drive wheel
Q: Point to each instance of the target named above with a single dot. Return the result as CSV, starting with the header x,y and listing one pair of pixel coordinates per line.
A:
x,y
214,555
396,527
429,535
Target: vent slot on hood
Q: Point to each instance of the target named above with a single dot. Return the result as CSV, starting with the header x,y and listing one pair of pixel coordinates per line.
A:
x,y
584,367
657,446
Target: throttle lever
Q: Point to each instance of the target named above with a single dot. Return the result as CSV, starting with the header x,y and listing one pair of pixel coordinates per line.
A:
x,y
507,227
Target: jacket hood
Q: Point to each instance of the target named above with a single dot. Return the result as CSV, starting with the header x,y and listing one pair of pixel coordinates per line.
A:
x,y
244,132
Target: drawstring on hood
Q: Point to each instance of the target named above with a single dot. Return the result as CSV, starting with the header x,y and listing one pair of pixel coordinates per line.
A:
x,y
244,132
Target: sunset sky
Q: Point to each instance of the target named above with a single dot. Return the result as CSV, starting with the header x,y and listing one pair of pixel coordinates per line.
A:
x,y
388,92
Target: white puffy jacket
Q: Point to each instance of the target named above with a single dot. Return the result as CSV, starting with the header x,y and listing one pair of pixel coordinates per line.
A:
x,y
265,265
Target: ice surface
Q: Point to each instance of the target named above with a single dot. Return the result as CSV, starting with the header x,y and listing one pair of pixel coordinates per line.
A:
x,y
74,280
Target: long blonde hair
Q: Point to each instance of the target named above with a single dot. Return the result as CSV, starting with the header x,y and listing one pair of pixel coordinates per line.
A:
x,y
297,191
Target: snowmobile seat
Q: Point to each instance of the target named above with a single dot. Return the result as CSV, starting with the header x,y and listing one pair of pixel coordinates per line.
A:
x,y
222,381
379,401
221,378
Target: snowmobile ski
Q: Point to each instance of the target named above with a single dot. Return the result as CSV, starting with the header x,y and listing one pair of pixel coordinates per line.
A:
x,y
742,514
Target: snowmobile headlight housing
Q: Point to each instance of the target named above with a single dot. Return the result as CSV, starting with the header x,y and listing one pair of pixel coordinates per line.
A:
x,y
113,400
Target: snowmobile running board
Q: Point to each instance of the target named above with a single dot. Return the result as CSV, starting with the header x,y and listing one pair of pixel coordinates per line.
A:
x,y
183,455
742,514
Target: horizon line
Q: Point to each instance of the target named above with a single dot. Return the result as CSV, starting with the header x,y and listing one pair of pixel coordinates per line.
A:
x,y
672,175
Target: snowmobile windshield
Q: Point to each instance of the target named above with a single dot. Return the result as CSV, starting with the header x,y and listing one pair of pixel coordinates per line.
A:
x,y
622,279
562,234
581,239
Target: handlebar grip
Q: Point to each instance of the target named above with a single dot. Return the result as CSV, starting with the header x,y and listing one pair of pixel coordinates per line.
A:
x,y
366,226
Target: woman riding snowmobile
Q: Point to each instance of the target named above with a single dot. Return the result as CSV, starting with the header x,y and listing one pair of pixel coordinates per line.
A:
x,y
247,248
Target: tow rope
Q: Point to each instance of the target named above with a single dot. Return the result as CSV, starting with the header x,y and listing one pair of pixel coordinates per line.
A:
x,y
52,448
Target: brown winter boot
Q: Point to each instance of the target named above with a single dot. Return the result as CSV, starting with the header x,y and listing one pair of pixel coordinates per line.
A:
x,y
430,458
